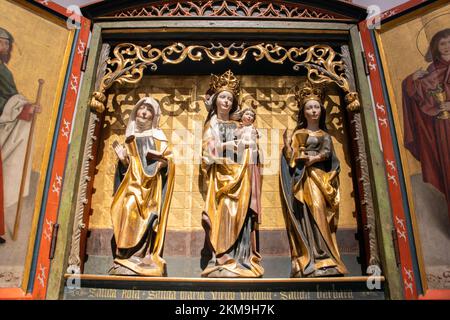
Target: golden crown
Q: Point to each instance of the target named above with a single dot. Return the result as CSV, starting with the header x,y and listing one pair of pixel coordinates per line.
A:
x,y
307,91
226,82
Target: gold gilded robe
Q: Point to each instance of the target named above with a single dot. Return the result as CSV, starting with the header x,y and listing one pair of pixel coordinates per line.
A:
x,y
312,200
227,209
140,198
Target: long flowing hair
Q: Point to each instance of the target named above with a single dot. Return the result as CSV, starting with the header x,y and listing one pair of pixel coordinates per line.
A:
x,y
433,51
303,123
234,112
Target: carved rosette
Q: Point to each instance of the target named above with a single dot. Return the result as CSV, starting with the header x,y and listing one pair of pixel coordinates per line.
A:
x,y
130,61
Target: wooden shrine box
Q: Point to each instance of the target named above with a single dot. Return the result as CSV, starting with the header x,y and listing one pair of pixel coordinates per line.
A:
x,y
171,48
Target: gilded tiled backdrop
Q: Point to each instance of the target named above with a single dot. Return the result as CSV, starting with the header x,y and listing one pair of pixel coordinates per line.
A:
x,y
183,114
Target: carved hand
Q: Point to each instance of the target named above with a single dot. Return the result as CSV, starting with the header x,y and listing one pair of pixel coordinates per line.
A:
x,y
287,138
312,159
121,152
287,143
162,163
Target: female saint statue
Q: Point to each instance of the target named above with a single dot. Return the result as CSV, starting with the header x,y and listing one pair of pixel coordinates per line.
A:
x,y
310,185
233,183
144,185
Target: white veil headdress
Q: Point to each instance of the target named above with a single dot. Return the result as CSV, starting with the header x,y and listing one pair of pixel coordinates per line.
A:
x,y
154,131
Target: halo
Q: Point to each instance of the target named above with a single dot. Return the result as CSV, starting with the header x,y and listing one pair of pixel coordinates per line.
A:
x,y
422,36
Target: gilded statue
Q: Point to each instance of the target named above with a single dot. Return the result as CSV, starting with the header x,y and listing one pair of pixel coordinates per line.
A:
x,y
230,167
143,191
309,177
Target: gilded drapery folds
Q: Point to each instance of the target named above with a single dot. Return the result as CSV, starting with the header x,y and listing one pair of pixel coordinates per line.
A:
x,y
230,222
140,207
233,180
309,175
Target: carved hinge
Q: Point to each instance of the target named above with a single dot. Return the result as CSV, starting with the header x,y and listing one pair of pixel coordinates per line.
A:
x,y
85,59
366,66
54,239
396,250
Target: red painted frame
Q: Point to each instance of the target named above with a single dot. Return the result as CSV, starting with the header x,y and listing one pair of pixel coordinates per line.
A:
x,y
57,166
396,198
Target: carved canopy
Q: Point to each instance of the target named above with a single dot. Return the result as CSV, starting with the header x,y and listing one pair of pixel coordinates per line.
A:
x,y
294,10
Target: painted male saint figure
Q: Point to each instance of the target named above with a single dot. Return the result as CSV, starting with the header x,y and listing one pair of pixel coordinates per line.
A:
x,y
426,110
16,113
